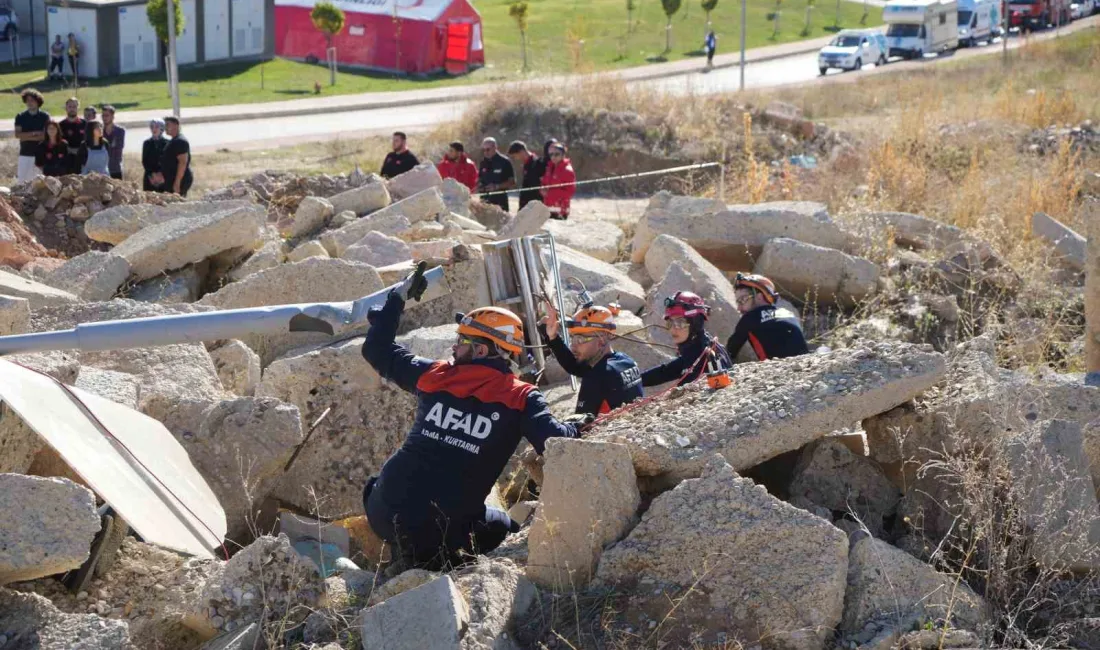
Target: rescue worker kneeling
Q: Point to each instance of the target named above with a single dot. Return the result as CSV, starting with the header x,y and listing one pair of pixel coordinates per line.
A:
x,y
686,316
428,501
773,331
609,379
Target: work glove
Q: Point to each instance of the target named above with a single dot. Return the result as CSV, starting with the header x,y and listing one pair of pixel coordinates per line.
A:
x,y
414,285
580,419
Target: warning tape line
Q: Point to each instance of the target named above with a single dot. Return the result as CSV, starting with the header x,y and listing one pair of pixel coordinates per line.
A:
x,y
655,172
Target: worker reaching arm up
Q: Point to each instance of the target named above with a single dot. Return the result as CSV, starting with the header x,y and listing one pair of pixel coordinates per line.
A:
x,y
686,316
429,499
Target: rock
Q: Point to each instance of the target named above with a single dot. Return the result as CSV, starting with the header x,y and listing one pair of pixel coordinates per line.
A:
x,y
311,280
38,295
368,422
307,250
238,367
48,526
887,585
829,475
10,252
405,581
270,255
377,249
1084,633
777,407
430,342
733,238
174,244
94,275
588,500
914,231
663,206
439,250
338,241
528,221
815,274
119,387
422,206
489,215
361,200
788,117
434,615
1058,499
240,447
602,240
1069,245
116,223
424,230
311,215
705,280
456,197
605,283
31,621
967,267
15,315
755,566
182,286
497,595
342,219
422,177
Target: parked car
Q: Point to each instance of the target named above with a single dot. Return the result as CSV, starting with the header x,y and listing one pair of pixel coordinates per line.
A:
x,y
851,49
1081,9
9,23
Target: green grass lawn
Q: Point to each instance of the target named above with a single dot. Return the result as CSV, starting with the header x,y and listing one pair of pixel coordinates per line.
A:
x,y
563,36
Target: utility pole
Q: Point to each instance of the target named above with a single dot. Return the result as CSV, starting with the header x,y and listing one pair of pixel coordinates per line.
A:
x,y
743,2
1004,32
173,71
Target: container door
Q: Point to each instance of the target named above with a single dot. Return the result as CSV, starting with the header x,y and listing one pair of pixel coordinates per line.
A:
x,y
248,27
187,43
137,42
216,29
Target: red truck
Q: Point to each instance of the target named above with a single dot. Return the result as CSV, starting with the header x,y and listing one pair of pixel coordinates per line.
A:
x,y
1037,14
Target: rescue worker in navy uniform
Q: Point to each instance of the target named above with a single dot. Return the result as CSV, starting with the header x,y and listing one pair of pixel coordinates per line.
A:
x,y
429,499
774,332
686,316
609,379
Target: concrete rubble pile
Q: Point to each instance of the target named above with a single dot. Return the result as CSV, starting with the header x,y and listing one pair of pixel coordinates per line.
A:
x,y
784,512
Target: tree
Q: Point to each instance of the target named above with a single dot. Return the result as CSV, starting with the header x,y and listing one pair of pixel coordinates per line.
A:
x,y
809,11
631,5
670,7
329,20
156,11
708,6
518,12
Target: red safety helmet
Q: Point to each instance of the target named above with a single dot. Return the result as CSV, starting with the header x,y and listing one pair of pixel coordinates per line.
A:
x,y
758,283
685,304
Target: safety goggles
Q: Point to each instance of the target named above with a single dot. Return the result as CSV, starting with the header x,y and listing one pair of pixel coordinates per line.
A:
x,y
464,340
746,298
581,339
678,323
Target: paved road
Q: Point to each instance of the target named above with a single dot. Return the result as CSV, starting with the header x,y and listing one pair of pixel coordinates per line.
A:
x,y
798,69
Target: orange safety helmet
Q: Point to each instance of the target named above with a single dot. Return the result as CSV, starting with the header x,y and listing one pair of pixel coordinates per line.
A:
x,y
494,323
759,283
591,320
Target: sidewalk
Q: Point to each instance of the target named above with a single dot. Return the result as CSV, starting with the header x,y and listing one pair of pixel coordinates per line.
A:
x,y
398,99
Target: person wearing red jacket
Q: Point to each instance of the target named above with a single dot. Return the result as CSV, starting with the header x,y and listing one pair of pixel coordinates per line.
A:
x,y
559,172
456,165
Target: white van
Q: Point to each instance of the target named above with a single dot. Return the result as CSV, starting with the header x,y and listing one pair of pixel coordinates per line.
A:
x,y
919,27
977,20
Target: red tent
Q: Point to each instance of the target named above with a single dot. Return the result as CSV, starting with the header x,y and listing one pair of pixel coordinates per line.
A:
x,y
411,36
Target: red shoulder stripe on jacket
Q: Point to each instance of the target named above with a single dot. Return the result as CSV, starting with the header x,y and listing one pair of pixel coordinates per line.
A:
x,y
485,384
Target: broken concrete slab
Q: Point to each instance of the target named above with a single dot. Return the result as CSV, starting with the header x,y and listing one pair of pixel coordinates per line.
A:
x,y
746,563
829,475
440,250
776,407
119,387
311,280
339,240
174,244
18,442
605,283
270,255
305,250
182,286
526,222
433,615
37,294
48,526
602,240
497,595
914,231
705,280
361,200
116,223
588,500
378,249
15,315
456,196
94,275
422,177
815,274
238,367
425,205
30,621
1069,245
311,215
664,204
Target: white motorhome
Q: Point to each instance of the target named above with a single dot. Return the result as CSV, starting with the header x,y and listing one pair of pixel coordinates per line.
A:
x,y
977,21
919,27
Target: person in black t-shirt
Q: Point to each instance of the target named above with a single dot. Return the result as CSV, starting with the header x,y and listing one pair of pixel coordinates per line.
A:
x,y
30,131
533,170
73,129
495,174
175,164
773,331
400,160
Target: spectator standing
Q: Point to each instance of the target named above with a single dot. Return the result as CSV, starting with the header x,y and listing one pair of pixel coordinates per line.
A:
x,y
559,172
57,58
74,56
89,117
93,153
710,44
53,152
175,163
534,168
151,151
73,131
115,136
495,174
400,160
30,131
457,165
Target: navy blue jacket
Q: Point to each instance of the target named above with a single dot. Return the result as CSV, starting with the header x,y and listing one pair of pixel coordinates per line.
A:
x,y
774,333
686,366
614,381
469,420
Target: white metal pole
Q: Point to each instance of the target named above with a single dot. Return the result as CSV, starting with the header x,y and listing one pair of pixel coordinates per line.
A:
x,y
173,71
743,12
